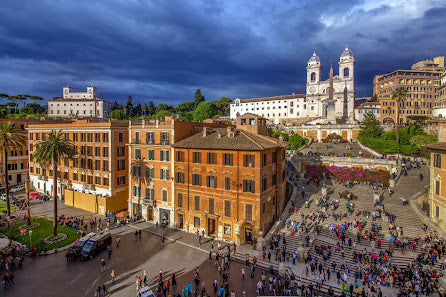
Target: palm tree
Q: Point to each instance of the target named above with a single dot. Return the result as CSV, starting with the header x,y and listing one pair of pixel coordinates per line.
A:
x,y
398,95
52,150
136,171
11,137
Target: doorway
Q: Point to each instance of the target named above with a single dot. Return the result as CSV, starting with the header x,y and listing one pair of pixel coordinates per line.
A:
x,y
180,221
19,179
248,235
211,227
149,214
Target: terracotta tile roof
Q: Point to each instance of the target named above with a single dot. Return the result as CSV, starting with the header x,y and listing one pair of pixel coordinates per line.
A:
x,y
242,141
271,98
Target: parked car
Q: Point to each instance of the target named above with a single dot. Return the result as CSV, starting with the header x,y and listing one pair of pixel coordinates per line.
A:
x,y
34,195
79,245
18,188
145,292
95,245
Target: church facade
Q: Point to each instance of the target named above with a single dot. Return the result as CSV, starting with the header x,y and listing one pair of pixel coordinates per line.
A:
x,y
312,104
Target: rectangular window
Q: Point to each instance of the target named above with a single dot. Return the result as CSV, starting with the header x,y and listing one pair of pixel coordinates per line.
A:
x,y
274,180
248,212
211,205
164,174
227,229
120,151
105,137
97,137
150,154
164,193
227,159
150,194
196,222
165,138
150,138
196,157
248,186
196,179
227,183
264,159
121,180
179,156
74,175
211,181
97,151
211,158
31,136
437,211
137,154
227,208
164,155
437,160
197,202
136,171
248,160
105,152
264,184
136,140
179,178
437,187
105,166
82,137
89,137
180,200
136,191
274,157
150,172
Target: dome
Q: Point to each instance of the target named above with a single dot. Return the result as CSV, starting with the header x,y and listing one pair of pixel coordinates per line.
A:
x,y
347,53
314,58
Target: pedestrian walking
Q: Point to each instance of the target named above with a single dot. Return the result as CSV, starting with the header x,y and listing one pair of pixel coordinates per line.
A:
x,y
144,280
118,240
98,291
104,290
102,265
113,275
136,235
109,251
162,240
139,233
243,274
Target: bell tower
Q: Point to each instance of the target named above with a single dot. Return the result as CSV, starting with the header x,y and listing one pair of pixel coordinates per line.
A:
x,y
314,69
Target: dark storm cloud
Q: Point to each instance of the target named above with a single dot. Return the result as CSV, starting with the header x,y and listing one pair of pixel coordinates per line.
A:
x,y
164,50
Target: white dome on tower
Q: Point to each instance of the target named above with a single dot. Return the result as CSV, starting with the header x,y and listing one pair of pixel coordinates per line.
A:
x,y
347,53
314,58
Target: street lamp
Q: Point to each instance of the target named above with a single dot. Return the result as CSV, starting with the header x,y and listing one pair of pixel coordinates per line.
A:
x,y
30,233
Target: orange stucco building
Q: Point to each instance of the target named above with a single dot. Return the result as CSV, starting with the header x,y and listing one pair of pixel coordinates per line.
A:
x,y
97,178
229,182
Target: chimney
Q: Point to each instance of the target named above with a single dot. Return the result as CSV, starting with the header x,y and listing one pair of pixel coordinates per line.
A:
x,y
219,135
204,131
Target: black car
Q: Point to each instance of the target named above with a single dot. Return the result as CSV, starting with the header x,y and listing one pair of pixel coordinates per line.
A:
x,y
95,244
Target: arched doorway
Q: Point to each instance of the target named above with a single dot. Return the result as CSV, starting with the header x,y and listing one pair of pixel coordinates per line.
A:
x,y
388,121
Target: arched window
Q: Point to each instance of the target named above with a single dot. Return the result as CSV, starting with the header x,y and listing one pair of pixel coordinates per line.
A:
x,y
237,103
313,76
346,72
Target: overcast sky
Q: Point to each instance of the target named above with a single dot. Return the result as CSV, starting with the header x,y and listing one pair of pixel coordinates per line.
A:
x,y
164,50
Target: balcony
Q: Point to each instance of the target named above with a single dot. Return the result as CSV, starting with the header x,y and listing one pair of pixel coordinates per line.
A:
x,y
150,141
149,202
164,141
135,141
65,181
43,177
88,186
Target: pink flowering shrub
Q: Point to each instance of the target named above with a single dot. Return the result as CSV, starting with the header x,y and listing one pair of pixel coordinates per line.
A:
x,y
348,174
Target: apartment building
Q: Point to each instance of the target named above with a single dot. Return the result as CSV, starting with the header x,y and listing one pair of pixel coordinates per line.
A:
x,y
367,107
230,182
421,82
151,164
96,179
17,160
79,104
440,103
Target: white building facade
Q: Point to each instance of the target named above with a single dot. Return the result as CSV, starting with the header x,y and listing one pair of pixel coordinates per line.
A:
x,y
79,104
368,107
313,103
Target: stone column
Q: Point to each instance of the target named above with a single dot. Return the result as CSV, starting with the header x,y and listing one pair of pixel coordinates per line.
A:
x,y
260,242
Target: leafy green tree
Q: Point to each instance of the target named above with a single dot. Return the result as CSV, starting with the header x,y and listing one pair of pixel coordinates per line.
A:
x,y
33,108
422,140
36,98
129,106
223,105
296,142
118,114
185,106
278,133
398,95
162,106
370,126
186,117
51,151
11,137
198,98
116,105
138,110
163,113
151,110
205,110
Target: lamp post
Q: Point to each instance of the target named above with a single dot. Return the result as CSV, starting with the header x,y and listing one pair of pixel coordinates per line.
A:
x,y
27,190
30,233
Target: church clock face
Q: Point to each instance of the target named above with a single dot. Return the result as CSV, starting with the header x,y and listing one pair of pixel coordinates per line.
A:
x,y
312,89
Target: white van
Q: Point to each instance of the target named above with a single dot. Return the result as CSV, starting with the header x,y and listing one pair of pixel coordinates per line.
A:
x,y
145,292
